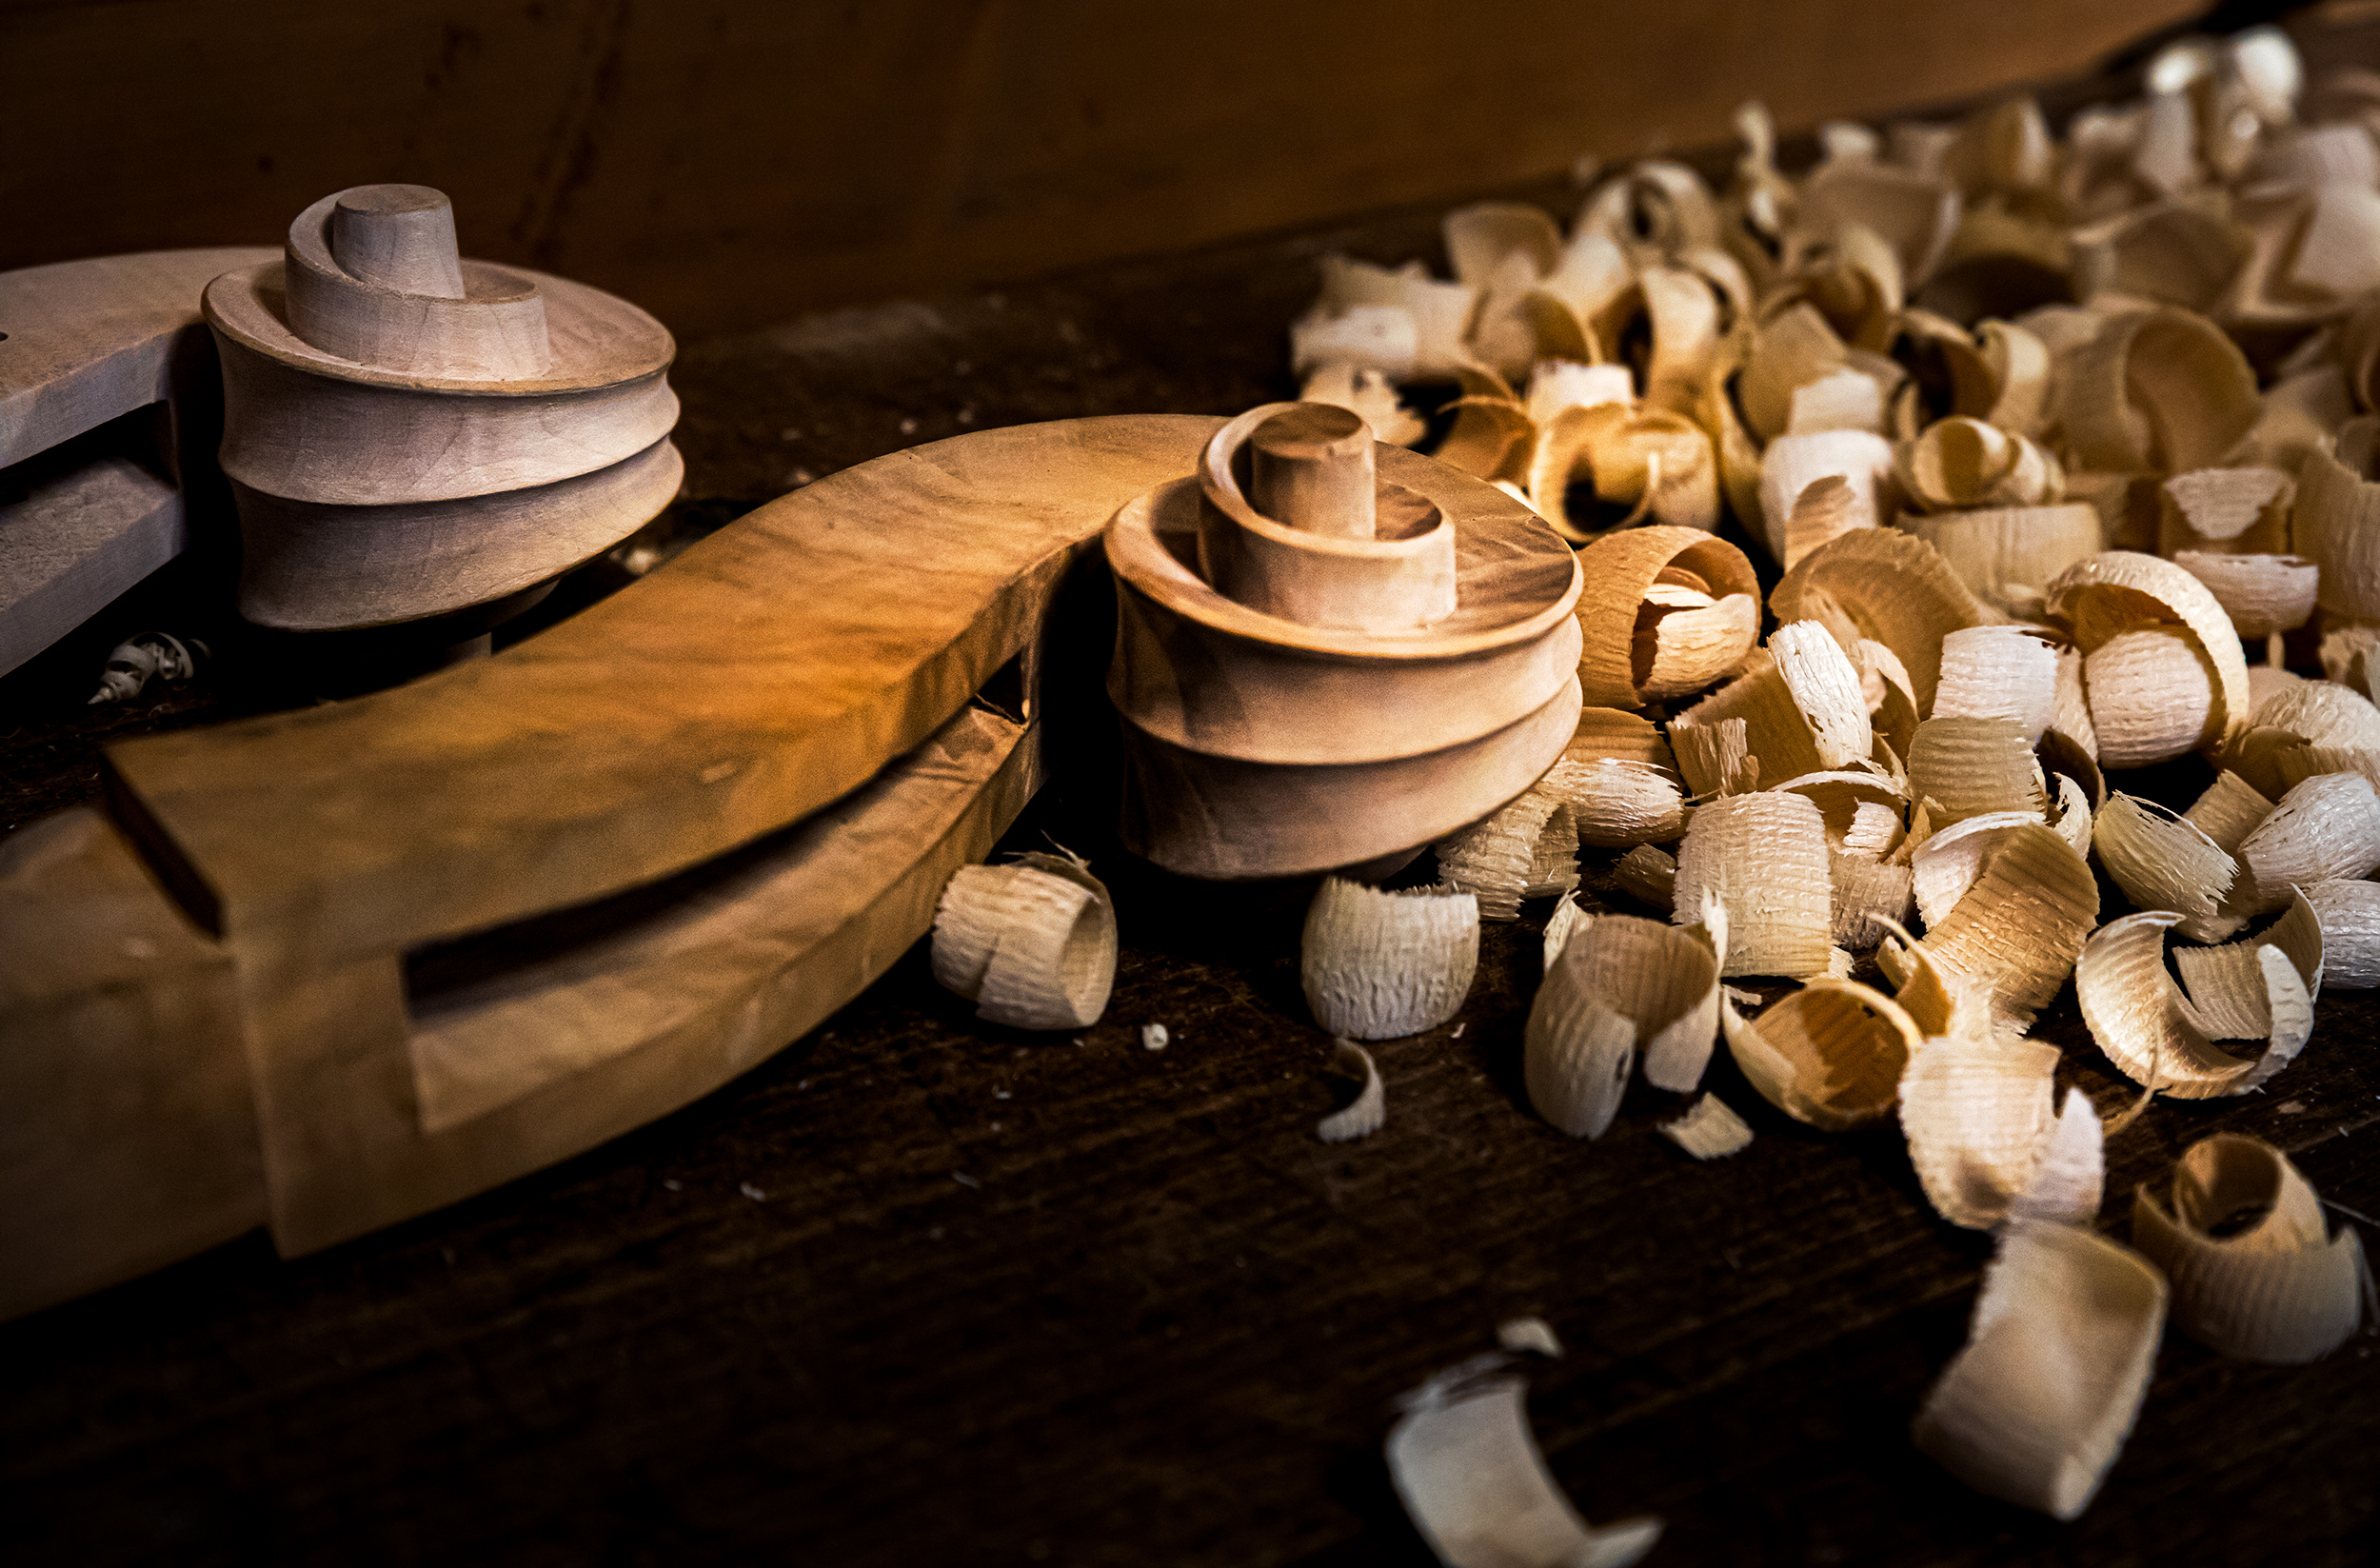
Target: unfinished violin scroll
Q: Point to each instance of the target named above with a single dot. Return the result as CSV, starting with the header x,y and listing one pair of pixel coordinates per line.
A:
x,y
409,433
1329,652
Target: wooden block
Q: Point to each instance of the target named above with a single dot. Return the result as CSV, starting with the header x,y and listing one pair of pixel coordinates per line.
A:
x,y
761,677
86,343
89,340
129,1134
75,542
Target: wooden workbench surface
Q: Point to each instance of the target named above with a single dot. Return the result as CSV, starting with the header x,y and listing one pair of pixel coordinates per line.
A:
x,y
921,1290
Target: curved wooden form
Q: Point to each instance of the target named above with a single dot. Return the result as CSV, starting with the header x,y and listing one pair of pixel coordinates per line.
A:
x,y
472,926
88,342
373,368
1428,679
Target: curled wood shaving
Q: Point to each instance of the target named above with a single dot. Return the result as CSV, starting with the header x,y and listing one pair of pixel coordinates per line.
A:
x,y
1968,768
2337,523
1440,311
2224,987
1032,944
2152,1035
2348,913
1368,1112
1947,863
1469,1475
2121,594
2061,754
2165,862
1558,384
1763,857
1716,758
2327,826
2262,594
2228,812
2071,814
2233,512
2281,1287
1961,463
2014,935
2157,391
2072,717
2324,714
1614,803
1804,712
1608,732
1529,1334
1794,465
1568,919
2008,555
1887,585
2153,696
1620,985
1368,394
1527,849
2034,1409
1377,964
1869,897
1651,875
1998,672
1652,460
1709,1130
1987,1139
1829,1054
1636,647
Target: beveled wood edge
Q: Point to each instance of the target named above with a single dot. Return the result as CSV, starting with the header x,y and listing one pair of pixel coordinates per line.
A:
x,y
234,307
1135,557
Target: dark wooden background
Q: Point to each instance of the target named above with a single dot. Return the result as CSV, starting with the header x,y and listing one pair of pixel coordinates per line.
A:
x,y
922,1290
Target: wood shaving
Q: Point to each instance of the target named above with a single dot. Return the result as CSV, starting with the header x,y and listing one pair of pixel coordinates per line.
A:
x,y
1031,942
1649,873
2280,1287
1709,1130
1764,858
1469,1475
1831,1054
2034,1409
1368,1112
2153,1035
1621,985
1376,965
1528,849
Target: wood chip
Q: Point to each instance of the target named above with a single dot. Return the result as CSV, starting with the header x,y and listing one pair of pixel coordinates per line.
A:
x,y
1709,1130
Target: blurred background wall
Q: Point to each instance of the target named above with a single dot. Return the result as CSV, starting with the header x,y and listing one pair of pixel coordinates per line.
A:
x,y
731,162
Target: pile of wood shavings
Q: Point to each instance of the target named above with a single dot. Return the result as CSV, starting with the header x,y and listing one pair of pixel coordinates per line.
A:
x,y
2050,436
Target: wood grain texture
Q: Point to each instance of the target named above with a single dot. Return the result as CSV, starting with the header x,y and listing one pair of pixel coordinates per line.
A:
x,y
76,541
753,684
375,1107
1159,1319
83,344
935,148
89,340
129,1139
311,566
